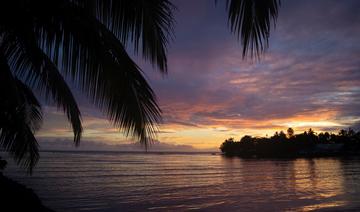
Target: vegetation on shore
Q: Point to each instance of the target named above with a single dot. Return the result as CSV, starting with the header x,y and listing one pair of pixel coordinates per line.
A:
x,y
306,144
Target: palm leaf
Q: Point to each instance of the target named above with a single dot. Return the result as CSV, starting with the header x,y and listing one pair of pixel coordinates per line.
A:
x,y
33,65
95,59
147,24
84,41
251,21
20,117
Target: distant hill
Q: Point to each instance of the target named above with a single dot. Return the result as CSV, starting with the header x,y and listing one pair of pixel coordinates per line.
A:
x,y
155,146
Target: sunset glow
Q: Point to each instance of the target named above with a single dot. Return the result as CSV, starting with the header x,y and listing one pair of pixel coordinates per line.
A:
x,y
308,78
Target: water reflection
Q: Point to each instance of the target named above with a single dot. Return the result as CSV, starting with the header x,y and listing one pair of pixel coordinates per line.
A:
x,y
301,184
320,181
167,182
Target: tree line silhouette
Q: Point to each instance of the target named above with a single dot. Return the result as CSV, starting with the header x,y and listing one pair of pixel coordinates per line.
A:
x,y
306,144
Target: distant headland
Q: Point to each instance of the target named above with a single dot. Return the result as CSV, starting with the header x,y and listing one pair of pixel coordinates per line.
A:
x,y
290,145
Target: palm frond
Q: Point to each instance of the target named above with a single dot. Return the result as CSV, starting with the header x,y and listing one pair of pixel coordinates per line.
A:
x,y
20,117
36,68
85,40
32,107
147,24
95,59
251,20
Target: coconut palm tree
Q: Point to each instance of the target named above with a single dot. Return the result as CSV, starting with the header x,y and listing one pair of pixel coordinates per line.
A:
x,y
45,44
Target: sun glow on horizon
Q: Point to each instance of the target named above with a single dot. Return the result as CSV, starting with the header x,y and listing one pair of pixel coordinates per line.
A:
x,y
308,78
203,135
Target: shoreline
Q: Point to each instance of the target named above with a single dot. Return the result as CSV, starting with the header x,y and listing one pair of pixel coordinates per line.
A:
x,y
17,197
315,156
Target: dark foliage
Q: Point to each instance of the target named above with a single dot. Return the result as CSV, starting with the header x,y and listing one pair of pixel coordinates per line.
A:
x,y
3,164
251,21
42,43
346,142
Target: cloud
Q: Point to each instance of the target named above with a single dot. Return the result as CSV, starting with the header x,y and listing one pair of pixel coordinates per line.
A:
x,y
310,69
356,126
309,77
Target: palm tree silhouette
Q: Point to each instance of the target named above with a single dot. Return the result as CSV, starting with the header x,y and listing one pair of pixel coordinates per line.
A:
x,y
44,44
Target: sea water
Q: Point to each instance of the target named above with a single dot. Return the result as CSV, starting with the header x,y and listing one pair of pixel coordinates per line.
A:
x,y
118,181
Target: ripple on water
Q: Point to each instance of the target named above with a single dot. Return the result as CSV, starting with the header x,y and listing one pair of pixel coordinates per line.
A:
x,y
116,181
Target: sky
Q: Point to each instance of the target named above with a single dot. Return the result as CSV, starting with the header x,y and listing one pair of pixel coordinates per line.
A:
x,y
308,78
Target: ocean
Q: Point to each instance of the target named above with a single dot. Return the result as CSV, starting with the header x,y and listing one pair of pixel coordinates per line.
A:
x,y
118,181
